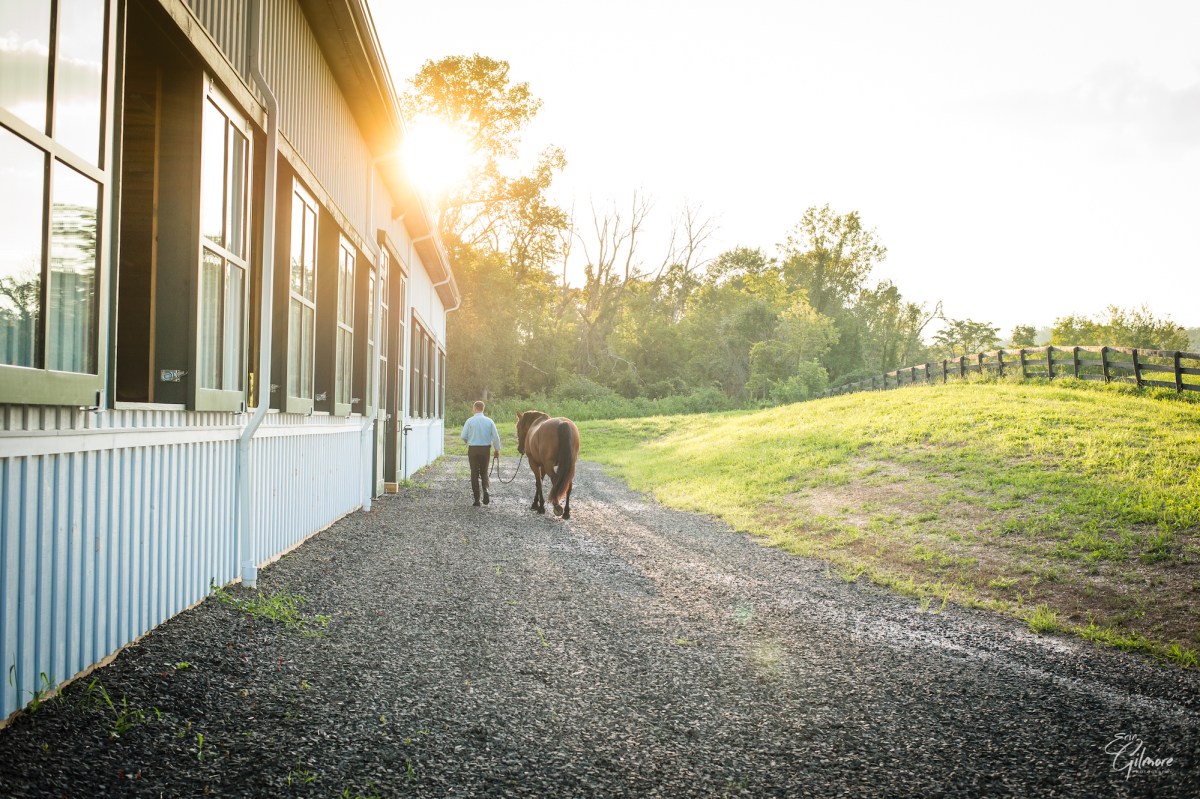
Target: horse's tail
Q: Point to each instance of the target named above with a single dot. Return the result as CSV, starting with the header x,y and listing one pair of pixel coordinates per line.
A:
x,y
566,464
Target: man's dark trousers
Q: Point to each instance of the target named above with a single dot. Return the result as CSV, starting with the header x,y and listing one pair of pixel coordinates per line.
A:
x,y
478,456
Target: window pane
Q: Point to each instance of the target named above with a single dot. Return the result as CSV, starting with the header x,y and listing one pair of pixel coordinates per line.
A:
x,y
297,254
310,252
346,288
231,379
307,330
25,60
212,274
237,192
342,385
75,202
79,65
23,175
294,352
212,178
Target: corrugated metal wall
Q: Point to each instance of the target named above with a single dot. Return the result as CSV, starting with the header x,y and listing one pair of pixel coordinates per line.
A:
x,y
228,22
306,90
101,540
303,480
100,545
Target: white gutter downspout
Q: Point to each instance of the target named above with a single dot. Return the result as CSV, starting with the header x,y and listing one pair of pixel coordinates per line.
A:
x,y
249,563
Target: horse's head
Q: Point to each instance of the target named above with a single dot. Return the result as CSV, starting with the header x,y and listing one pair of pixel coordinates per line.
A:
x,y
525,421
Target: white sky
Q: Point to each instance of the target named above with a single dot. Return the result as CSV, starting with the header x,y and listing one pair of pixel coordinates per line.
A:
x,y
1020,160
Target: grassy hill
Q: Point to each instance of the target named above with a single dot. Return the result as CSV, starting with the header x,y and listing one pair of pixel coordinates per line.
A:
x,y
1073,506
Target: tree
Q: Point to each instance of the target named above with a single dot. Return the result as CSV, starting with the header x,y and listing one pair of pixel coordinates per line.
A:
x,y
890,329
1193,339
1120,327
829,256
1139,327
506,212
1076,331
1024,336
965,337
502,233
802,336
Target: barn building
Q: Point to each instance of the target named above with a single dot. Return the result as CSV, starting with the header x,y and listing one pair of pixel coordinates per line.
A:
x,y
222,307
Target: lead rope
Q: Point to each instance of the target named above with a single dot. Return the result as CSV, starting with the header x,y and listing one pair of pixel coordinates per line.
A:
x,y
496,464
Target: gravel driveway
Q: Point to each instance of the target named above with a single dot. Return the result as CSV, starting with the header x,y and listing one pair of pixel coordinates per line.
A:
x,y
632,651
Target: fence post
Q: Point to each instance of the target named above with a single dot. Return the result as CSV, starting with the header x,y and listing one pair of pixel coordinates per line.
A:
x,y
979,361
928,376
1000,362
1049,361
1178,374
1021,355
1075,358
1104,362
1137,369
945,372
962,366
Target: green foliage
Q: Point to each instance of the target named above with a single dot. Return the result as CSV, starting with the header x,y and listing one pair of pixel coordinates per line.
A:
x,y
1120,327
1025,336
965,337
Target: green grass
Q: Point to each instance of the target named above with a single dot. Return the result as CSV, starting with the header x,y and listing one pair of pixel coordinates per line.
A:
x,y
1079,499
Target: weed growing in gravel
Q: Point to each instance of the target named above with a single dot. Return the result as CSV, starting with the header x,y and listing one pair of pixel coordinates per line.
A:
x,y
200,746
281,607
301,775
124,716
542,635
40,694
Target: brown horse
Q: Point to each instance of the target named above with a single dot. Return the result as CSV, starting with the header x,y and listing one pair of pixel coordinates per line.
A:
x,y
552,447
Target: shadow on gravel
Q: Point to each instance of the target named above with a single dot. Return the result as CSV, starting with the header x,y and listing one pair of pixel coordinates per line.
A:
x,y
430,648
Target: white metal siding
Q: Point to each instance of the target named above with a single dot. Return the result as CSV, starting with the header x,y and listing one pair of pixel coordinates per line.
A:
x,y
99,545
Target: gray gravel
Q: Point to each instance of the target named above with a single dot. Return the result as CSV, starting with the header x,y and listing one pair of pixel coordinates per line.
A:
x,y
632,651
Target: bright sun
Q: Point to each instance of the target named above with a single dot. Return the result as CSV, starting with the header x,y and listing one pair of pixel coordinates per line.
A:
x,y
437,156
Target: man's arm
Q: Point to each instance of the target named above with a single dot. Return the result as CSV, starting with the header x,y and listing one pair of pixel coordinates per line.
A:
x,y
495,438
463,434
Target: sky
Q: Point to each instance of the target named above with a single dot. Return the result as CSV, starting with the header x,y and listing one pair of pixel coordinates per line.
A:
x,y
1021,161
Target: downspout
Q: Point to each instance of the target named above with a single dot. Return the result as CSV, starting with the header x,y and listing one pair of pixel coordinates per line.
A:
x,y
249,563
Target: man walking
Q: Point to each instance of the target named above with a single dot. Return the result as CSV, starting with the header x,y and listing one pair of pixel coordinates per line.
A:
x,y
481,435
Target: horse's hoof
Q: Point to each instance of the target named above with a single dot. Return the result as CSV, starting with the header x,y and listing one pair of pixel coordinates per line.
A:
x,y
566,515
558,511
541,510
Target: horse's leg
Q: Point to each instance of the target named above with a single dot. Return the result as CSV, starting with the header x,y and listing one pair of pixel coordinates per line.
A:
x,y
539,499
537,482
567,503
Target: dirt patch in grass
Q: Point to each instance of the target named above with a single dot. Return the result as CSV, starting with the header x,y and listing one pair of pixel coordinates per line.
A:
x,y
909,527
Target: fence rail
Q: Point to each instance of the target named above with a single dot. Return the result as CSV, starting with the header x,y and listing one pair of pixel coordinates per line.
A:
x,y
1110,364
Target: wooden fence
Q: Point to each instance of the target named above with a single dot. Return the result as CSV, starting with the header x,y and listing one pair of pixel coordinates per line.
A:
x,y
1166,368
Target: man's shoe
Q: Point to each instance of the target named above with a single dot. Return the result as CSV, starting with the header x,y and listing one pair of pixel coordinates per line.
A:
x,y
486,498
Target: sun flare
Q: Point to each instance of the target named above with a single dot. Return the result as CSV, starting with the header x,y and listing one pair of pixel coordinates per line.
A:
x,y
437,156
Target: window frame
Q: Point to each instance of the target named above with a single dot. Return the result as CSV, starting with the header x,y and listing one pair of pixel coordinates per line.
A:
x,y
39,385
300,403
205,398
342,317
